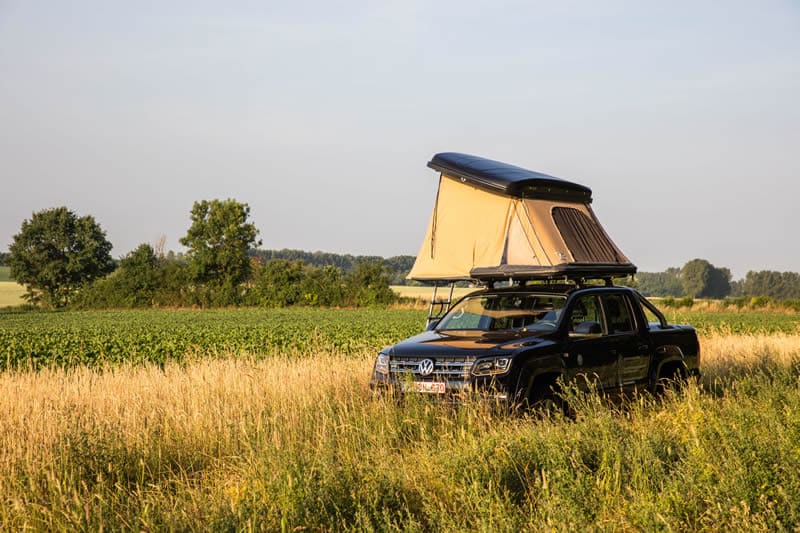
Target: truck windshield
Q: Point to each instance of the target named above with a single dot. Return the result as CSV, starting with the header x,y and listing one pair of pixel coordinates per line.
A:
x,y
507,311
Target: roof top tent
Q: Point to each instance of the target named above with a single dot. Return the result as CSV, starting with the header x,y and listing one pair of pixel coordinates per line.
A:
x,y
493,221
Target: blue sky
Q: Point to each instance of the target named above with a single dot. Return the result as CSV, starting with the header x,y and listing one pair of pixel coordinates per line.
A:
x,y
683,117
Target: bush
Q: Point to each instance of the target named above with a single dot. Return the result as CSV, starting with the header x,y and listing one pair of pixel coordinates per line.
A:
x,y
760,301
283,283
142,280
686,301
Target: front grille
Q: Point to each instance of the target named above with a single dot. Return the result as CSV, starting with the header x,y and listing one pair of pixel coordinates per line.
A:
x,y
443,366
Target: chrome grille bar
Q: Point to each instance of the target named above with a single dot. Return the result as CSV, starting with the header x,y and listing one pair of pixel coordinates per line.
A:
x,y
442,366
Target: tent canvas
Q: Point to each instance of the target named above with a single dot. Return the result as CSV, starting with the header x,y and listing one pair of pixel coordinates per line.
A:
x,y
494,220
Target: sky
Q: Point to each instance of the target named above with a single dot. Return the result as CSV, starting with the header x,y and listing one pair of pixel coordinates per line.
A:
x,y
683,117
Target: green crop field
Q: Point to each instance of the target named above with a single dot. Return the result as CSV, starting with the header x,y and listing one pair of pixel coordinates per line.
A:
x,y
5,273
39,339
262,420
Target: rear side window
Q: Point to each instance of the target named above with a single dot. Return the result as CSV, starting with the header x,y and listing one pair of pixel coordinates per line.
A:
x,y
618,314
652,315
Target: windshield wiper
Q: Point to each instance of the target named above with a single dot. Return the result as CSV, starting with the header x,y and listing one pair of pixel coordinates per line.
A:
x,y
510,332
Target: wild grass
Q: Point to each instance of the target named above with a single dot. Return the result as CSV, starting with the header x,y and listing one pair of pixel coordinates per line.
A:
x,y
11,294
297,441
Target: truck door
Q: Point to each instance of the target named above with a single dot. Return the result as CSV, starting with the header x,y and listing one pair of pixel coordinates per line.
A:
x,y
633,351
591,357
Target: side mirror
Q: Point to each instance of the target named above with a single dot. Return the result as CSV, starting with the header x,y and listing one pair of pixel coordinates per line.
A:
x,y
431,325
588,328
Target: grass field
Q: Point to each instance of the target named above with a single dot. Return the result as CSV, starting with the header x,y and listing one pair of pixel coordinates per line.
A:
x,y
11,294
282,443
262,420
5,273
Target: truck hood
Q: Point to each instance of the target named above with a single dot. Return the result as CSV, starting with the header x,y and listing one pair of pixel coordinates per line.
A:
x,y
458,342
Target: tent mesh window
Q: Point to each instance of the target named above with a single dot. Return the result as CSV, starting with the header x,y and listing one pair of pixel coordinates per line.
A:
x,y
584,237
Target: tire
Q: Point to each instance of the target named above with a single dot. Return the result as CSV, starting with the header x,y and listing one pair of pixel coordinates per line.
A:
x,y
544,400
673,377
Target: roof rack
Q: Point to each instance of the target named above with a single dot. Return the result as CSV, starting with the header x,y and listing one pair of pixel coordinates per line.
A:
x,y
566,271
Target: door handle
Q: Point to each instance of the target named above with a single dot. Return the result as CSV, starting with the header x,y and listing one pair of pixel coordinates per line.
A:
x,y
643,349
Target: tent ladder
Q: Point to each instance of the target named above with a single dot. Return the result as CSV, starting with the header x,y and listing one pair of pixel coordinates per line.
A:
x,y
438,308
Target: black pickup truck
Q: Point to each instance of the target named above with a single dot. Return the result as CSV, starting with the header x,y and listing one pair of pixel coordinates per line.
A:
x,y
514,343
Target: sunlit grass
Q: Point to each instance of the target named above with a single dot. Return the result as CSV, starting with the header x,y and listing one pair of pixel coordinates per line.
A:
x,y
11,294
292,441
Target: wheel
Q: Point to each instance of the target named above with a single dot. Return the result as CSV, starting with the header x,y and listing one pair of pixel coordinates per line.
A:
x,y
670,378
544,400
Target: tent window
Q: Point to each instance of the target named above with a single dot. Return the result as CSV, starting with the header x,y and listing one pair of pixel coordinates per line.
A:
x,y
584,237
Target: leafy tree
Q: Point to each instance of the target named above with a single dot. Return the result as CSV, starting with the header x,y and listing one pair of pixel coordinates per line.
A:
x,y
719,283
173,281
218,241
701,279
278,283
56,252
323,286
139,276
667,283
143,279
368,284
4,258
778,285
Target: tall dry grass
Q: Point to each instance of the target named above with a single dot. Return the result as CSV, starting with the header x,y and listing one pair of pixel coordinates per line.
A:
x,y
294,442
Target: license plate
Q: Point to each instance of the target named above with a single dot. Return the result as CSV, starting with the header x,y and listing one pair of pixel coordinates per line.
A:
x,y
431,387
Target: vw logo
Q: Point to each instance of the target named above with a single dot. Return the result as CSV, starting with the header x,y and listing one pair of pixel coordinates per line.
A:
x,y
425,367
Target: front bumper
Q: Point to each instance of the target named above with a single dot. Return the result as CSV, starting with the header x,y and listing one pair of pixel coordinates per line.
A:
x,y
483,388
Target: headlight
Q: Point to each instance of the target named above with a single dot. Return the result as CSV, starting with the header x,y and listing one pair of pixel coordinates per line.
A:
x,y
489,367
382,364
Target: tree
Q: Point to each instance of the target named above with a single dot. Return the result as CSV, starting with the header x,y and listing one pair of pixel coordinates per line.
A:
x,y
719,282
778,285
667,283
368,284
56,252
218,241
278,283
701,279
137,278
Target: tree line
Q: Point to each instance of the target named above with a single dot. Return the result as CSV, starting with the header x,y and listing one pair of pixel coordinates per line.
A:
x,y
399,265
64,260
699,278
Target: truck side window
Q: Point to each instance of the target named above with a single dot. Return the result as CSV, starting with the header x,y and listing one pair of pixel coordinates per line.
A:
x,y
618,315
653,316
586,308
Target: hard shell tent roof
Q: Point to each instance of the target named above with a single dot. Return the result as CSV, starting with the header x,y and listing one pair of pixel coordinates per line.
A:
x,y
493,220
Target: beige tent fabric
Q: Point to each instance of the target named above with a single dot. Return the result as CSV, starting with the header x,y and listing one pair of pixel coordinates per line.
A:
x,y
467,228
473,228
540,214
